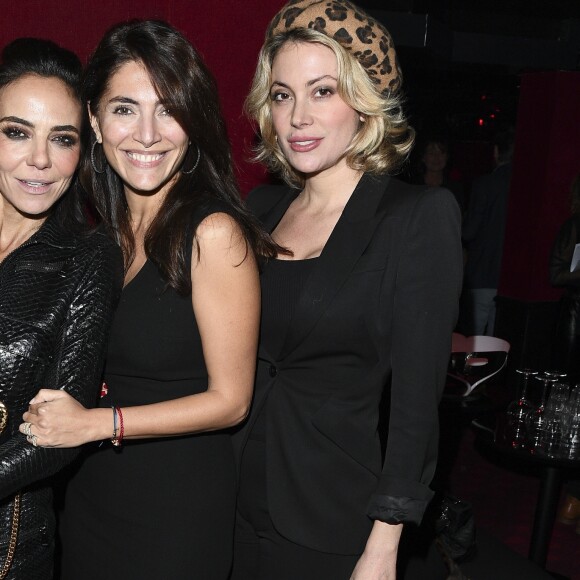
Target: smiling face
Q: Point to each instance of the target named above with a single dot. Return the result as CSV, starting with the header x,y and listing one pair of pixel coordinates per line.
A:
x,y
313,124
40,122
143,143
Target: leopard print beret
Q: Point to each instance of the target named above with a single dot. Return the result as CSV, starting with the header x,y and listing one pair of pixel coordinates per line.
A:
x,y
367,40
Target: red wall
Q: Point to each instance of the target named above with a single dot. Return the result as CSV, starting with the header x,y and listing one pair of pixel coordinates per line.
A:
x,y
228,33
546,159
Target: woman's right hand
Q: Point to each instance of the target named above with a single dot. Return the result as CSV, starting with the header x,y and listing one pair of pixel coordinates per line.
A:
x,y
58,420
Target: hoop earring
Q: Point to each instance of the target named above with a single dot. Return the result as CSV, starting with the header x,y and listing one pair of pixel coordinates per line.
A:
x,y
190,171
93,163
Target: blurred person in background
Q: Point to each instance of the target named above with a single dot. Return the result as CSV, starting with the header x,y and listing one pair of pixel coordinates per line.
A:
x,y
483,236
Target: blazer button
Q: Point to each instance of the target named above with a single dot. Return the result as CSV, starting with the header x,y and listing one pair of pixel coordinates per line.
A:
x,y
273,371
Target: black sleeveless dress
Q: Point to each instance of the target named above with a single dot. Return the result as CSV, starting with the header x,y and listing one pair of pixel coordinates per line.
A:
x,y
153,508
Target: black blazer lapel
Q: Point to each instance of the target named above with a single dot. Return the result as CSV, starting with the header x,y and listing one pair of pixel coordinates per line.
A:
x,y
269,204
347,242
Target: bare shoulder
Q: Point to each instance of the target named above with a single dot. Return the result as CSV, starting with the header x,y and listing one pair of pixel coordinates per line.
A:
x,y
218,226
219,237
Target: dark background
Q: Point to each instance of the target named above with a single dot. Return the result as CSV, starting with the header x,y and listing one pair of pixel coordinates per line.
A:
x,y
470,67
462,59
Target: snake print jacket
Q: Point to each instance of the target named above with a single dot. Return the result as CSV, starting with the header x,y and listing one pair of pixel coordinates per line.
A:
x,y
57,295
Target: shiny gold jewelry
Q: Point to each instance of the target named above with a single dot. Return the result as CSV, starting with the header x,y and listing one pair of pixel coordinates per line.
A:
x,y
14,526
15,523
3,417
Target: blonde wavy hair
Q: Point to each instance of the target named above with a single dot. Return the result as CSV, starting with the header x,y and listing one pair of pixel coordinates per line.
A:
x,y
384,139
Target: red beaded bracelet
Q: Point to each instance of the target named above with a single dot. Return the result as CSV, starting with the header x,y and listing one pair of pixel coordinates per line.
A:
x,y
117,439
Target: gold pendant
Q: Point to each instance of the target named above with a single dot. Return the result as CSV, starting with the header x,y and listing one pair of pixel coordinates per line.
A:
x,y
3,416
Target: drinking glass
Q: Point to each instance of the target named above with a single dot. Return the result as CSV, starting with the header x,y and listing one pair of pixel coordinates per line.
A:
x,y
518,410
552,432
570,442
536,418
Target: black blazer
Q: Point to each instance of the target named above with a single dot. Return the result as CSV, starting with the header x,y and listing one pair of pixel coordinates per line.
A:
x,y
376,313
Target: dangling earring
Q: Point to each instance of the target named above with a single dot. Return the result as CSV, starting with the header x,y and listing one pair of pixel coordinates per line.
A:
x,y
93,163
190,171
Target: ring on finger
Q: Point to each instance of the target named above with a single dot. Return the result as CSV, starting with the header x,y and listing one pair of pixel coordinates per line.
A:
x,y
32,439
26,429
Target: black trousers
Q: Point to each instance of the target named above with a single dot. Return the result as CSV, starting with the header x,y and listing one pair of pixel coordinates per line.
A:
x,y
260,552
566,353
566,339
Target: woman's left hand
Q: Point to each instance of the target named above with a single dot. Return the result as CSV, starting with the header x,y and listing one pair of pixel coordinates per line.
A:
x,y
56,420
375,567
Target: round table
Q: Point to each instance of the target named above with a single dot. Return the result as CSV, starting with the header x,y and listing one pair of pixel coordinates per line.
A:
x,y
551,471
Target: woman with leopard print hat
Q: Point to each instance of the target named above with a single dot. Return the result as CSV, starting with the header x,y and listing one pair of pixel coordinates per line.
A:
x,y
361,309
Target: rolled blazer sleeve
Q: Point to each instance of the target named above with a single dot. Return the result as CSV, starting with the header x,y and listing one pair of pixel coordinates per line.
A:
x,y
425,305
76,368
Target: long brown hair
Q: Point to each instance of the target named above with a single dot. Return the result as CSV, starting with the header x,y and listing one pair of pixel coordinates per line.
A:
x,y
183,81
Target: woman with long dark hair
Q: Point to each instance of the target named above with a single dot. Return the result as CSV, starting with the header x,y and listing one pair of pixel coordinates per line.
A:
x,y
159,501
59,281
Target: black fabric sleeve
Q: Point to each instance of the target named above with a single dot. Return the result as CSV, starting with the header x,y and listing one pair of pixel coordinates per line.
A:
x,y
425,310
76,367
